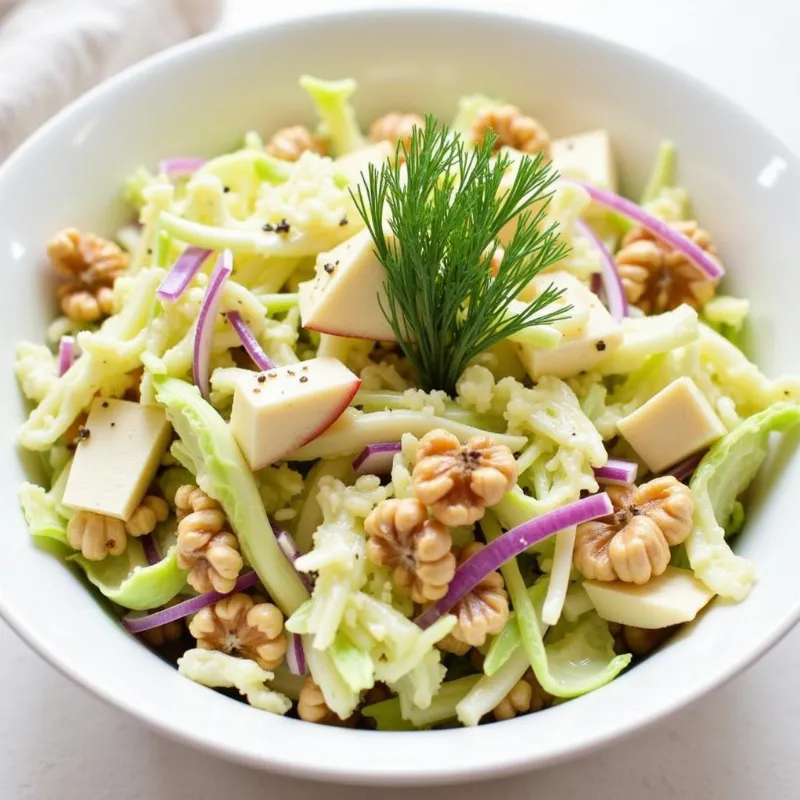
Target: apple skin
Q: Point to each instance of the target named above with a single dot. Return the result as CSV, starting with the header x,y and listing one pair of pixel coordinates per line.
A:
x,y
299,403
382,337
351,393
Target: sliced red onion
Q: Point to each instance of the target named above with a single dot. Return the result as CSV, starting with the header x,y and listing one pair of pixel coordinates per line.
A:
x,y
685,469
596,283
206,320
182,272
180,167
260,358
138,624
699,257
612,283
150,547
66,354
290,550
617,472
510,545
295,655
376,459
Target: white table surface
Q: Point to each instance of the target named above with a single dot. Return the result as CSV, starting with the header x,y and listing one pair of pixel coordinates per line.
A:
x,y
58,742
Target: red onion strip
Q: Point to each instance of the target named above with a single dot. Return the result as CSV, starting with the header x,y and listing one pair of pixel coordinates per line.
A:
x,y
510,545
180,167
295,655
694,253
260,358
139,624
685,469
66,354
182,272
617,472
376,459
612,283
290,550
204,332
150,547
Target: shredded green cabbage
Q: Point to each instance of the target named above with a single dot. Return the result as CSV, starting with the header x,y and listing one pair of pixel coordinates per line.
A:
x,y
725,472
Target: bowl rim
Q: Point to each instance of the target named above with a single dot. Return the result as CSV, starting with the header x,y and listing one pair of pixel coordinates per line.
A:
x,y
510,762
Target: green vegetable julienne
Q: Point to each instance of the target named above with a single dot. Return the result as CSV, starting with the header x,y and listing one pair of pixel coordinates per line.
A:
x,y
725,472
446,208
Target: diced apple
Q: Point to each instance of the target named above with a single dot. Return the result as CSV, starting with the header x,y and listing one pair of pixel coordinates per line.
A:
x,y
117,458
672,425
588,157
354,164
277,411
668,599
344,298
588,336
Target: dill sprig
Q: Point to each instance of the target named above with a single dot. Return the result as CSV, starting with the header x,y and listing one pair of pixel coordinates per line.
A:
x,y
445,212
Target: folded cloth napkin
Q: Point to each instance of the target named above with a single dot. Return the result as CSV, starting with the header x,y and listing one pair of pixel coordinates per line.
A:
x,y
51,51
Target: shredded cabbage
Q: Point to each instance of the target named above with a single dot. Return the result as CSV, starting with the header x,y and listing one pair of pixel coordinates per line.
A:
x,y
725,472
220,671
338,123
106,358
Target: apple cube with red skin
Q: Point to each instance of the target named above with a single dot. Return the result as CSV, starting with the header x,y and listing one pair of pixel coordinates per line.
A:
x,y
345,296
277,411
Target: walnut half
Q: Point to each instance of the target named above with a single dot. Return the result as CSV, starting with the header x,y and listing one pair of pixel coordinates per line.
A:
x,y
632,544
657,278
460,481
205,546
401,536
244,626
483,611
91,266
513,129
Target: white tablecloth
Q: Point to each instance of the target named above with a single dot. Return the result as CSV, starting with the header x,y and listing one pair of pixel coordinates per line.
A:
x,y
58,743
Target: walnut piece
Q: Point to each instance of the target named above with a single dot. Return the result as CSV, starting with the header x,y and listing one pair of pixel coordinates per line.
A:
x,y
525,697
459,482
97,535
401,536
311,705
165,634
513,129
483,611
244,626
517,701
205,547
632,544
657,278
148,514
91,265
290,143
395,128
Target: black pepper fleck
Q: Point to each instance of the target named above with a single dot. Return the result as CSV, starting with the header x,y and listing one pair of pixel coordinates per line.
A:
x,y
282,227
267,227
304,379
113,424
272,374
290,373
226,189
329,268
261,378
343,221
601,345
105,403
305,367
84,433
149,251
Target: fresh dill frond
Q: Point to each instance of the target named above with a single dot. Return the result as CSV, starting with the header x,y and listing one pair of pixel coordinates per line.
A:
x,y
435,215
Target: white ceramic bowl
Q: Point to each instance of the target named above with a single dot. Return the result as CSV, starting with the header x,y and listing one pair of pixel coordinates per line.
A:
x,y
197,99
